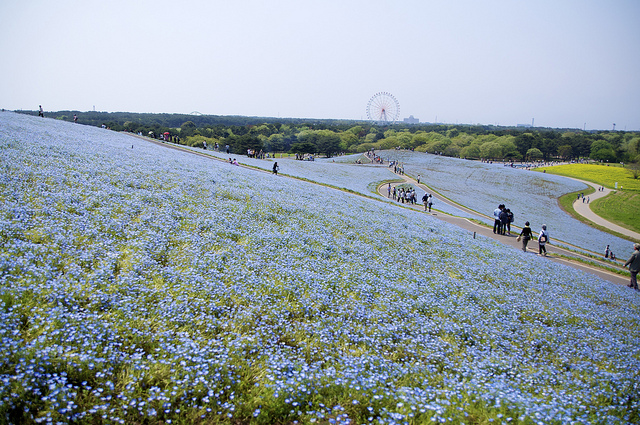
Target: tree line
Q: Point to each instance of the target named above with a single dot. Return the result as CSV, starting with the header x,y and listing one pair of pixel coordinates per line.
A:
x,y
329,137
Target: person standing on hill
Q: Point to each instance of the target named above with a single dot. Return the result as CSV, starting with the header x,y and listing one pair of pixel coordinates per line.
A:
x,y
543,238
425,200
634,266
275,168
525,236
41,112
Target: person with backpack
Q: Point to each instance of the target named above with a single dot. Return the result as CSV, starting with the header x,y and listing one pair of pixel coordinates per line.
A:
x,y
509,221
543,238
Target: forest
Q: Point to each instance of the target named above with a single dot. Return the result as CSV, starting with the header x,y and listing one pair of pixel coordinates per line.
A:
x,y
331,137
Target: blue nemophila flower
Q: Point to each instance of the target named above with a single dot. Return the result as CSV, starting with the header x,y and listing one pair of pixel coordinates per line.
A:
x,y
134,287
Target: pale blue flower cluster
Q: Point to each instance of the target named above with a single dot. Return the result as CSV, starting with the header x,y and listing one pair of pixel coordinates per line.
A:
x,y
139,284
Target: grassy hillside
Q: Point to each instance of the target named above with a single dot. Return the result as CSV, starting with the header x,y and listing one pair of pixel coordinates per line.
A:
x,y
144,285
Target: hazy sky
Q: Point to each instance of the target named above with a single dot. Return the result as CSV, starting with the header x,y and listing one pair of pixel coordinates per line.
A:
x,y
564,63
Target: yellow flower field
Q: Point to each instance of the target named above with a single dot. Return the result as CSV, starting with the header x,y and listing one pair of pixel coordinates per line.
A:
x,y
600,174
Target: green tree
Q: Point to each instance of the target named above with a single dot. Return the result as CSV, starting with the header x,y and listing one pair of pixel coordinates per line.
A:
x,y
187,129
328,143
534,154
601,150
348,139
491,150
565,152
303,147
472,151
405,140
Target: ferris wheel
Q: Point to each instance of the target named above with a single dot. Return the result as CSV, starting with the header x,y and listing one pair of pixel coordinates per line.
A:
x,y
383,108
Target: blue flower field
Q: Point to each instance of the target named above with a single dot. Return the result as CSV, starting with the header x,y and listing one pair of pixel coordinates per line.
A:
x,y
143,285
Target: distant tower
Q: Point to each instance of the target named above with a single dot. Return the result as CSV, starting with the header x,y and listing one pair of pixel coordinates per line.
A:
x,y
614,126
532,122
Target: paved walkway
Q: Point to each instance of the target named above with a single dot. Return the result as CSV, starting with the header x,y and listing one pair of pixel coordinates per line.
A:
x,y
584,209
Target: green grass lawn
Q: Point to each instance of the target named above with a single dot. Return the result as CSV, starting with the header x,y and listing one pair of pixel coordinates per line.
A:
x,y
621,207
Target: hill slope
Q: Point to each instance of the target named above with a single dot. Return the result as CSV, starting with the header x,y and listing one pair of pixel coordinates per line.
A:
x,y
140,284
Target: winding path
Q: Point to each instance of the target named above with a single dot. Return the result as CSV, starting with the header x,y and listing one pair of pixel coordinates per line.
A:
x,y
584,209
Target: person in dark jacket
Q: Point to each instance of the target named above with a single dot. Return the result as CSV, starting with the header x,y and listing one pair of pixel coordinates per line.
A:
x,y
504,219
634,266
526,236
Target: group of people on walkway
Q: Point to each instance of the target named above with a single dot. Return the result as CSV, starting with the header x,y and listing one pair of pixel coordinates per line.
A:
x,y
398,168
587,199
404,195
408,196
503,217
427,200
527,234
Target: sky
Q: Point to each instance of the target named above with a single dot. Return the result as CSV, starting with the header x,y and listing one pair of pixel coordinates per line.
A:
x,y
551,63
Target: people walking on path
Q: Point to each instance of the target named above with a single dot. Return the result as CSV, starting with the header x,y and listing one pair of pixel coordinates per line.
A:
x,y
634,266
525,236
607,252
41,112
425,201
543,238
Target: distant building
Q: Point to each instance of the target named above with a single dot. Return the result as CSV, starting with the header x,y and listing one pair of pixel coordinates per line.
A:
x,y
411,120
524,125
